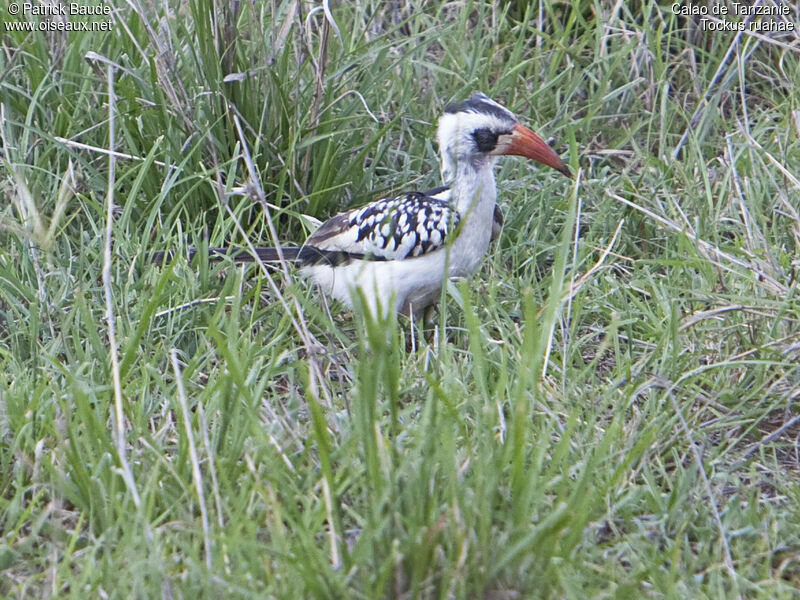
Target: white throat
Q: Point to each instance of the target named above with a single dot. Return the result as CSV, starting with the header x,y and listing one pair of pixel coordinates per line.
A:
x,y
474,195
472,181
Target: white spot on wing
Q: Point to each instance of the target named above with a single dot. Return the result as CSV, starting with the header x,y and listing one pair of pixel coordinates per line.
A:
x,y
393,229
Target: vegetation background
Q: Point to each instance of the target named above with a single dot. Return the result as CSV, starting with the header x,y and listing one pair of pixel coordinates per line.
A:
x,y
607,409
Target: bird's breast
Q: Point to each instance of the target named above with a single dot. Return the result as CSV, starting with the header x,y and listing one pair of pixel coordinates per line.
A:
x,y
476,210
473,241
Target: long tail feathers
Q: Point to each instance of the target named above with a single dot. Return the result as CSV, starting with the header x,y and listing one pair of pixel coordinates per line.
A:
x,y
267,255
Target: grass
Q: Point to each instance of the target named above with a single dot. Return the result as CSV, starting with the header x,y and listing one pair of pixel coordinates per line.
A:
x,y
607,409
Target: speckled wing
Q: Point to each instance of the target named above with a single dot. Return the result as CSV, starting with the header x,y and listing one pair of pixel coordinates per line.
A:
x,y
392,229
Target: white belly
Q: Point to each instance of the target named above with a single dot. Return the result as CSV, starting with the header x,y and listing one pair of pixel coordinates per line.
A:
x,y
391,285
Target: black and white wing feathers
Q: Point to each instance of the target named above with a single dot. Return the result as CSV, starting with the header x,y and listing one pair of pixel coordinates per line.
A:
x,y
397,228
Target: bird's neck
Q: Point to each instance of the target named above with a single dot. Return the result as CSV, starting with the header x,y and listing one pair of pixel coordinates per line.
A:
x,y
473,184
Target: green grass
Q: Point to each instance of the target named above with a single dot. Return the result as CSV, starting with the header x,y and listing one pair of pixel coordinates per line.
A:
x,y
607,409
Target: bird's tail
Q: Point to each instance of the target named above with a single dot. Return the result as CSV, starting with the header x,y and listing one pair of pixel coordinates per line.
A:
x,y
237,255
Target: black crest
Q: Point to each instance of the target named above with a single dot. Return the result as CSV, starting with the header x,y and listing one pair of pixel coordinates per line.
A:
x,y
481,103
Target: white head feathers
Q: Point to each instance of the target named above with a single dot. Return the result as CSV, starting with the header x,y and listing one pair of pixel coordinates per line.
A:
x,y
470,131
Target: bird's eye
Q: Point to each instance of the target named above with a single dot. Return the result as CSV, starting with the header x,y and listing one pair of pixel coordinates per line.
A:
x,y
485,139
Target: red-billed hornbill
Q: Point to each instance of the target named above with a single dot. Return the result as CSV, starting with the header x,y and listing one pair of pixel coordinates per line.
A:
x,y
398,251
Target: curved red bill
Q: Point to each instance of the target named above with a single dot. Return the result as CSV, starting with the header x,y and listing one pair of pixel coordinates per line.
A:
x,y
526,143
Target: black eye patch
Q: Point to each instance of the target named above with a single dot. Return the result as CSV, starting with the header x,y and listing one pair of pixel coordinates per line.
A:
x,y
485,139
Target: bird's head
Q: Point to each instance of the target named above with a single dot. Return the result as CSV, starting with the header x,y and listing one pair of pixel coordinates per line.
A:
x,y
479,129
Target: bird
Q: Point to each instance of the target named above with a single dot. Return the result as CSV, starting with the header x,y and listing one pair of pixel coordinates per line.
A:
x,y
396,253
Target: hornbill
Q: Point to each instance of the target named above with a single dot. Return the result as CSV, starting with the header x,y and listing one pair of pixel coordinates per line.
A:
x,y
398,251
